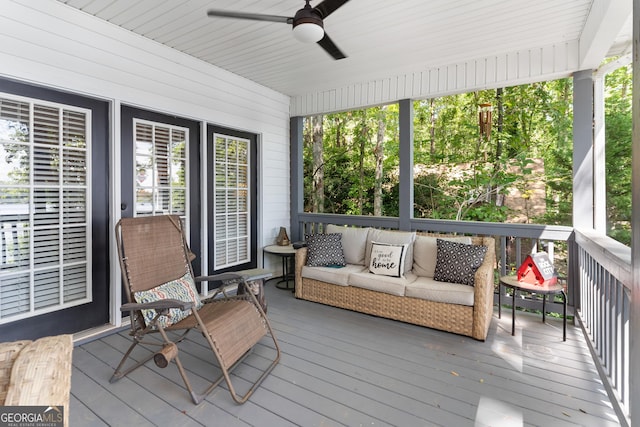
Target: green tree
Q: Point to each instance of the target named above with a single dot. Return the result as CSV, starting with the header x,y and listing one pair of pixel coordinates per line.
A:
x,y
458,172
618,127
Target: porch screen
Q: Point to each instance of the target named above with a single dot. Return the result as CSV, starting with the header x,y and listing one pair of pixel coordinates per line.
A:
x,y
231,190
45,207
161,169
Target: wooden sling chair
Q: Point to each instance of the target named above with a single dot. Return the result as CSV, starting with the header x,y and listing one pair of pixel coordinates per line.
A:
x,y
162,300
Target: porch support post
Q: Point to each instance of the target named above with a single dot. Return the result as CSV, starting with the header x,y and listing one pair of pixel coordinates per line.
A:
x,y
599,163
634,330
296,176
583,183
405,210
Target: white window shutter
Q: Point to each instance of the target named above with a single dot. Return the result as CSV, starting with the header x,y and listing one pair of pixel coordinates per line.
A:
x,y
45,211
161,169
231,191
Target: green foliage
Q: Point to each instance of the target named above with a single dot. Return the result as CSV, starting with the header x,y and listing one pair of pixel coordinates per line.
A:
x,y
530,121
618,127
349,163
460,173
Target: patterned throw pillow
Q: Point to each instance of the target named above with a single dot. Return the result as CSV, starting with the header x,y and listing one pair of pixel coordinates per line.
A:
x,y
458,262
183,289
387,259
325,250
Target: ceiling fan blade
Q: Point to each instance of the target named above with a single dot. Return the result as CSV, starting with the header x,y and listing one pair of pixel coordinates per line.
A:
x,y
252,16
328,45
327,7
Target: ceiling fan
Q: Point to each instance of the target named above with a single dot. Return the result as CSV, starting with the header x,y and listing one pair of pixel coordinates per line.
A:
x,y
307,23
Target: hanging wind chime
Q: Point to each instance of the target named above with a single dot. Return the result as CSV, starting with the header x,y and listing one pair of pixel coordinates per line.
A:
x,y
484,120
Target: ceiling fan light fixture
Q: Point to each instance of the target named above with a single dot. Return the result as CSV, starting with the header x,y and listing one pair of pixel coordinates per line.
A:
x,y
308,32
307,23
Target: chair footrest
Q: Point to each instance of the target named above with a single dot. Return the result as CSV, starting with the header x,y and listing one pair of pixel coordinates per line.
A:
x,y
234,326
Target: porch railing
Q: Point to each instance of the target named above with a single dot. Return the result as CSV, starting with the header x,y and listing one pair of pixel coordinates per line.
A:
x,y
598,271
604,271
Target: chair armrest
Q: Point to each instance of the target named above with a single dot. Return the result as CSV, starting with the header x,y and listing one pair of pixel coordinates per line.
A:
x,y
220,279
219,283
164,304
301,261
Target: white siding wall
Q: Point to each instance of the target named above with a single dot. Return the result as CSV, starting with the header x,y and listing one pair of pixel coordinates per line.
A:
x,y
515,68
47,43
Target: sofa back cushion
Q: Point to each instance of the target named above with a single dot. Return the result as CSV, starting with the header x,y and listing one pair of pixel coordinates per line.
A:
x,y
354,242
391,237
425,252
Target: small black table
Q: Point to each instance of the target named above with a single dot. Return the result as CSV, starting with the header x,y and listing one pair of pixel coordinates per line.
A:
x,y
287,253
513,283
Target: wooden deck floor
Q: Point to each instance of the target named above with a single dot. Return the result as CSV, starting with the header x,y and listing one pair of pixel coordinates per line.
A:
x,y
344,368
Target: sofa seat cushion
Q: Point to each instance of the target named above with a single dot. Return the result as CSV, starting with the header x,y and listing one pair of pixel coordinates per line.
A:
x,y
335,276
429,289
386,284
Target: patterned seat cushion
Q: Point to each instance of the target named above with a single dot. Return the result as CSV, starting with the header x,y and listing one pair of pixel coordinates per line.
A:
x,y
182,289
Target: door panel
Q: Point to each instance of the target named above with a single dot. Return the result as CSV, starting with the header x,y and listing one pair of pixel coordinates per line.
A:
x,y
232,199
52,191
155,175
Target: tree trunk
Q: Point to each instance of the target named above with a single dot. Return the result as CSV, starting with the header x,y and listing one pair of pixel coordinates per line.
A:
x,y
432,128
363,139
378,153
318,165
498,139
478,151
500,107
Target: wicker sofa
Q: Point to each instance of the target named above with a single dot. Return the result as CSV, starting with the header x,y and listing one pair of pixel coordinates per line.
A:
x,y
37,373
415,298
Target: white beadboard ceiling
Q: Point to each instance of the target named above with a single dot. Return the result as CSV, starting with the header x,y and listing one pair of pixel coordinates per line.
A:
x,y
381,38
